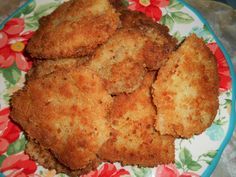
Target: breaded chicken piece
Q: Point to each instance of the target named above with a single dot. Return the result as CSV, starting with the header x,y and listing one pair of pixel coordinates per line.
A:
x,y
66,113
74,29
161,43
46,159
186,90
45,67
134,140
120,61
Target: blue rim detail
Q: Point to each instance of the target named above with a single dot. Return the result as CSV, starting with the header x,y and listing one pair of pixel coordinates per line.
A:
x,y
14,13
232,121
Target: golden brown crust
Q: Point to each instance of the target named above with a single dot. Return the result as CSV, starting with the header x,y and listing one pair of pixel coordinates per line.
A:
x,y
66,113
46,159
74,29
134,140
44,67
186,90
160,44
120,61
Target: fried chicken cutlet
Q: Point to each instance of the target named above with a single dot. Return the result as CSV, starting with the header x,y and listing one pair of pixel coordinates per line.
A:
x,y
161,43
186,90
66,113
134,140
74,29
46,159
120,61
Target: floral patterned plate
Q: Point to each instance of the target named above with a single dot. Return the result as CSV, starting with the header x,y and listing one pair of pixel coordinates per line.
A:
x,y
195,157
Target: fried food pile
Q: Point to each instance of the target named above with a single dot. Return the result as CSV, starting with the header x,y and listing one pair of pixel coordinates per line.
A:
x,y
109,84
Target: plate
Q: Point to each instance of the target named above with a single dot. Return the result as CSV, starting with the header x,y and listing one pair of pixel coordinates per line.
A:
x,y
194,157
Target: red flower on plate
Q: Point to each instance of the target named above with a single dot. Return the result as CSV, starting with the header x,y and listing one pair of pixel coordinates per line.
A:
x,y
18,165
171,171
150,7
12,44
9,132
223,68
108,170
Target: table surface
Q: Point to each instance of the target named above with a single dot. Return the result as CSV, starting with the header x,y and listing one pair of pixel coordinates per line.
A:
x,y
222,18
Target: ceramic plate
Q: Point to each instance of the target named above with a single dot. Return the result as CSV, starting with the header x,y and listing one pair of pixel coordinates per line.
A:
x,y
197,156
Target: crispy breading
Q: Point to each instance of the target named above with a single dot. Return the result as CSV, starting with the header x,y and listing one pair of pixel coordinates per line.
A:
x,y
74,29
46,159
45,67
120,61
186,90
161,43
134,140
66,113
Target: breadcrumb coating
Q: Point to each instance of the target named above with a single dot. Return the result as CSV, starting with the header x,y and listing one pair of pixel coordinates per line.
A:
x,y
66,113
186,90
120,61
134,140
74,29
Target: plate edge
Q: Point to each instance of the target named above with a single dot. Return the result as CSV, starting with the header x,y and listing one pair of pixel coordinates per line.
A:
x,y
230,131
14,13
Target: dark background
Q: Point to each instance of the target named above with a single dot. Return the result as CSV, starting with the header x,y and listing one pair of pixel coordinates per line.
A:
x,y
230,2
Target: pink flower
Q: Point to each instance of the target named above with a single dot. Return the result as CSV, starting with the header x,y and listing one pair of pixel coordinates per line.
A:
x,y
223,68
167,171
18,165
12,44
4,113
108,170
150,7
189,174
9,132
171,171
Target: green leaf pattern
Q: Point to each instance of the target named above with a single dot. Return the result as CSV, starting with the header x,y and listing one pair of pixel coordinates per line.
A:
x,y
186,161
210,154
17,146
175,5
185,156
141,172
45,9
28,9
178,36
175,15
168,21
33,12
181,17
2,157
11,74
